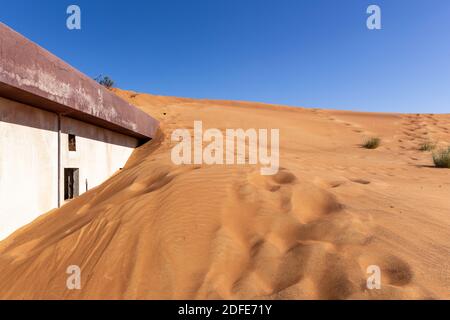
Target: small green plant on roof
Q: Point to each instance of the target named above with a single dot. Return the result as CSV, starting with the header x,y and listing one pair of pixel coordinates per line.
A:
x,y
105,81
372,143
441,158
427,146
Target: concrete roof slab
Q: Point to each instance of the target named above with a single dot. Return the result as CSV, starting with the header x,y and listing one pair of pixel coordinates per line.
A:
x,y
32,75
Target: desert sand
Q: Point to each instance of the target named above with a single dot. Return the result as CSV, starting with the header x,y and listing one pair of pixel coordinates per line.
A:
x,y
160,231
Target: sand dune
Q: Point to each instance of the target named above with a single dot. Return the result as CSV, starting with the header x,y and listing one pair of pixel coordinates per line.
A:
x,y
156,230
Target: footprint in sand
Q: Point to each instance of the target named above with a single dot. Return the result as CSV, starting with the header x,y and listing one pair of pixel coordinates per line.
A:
x,y
296,224
360,181
284,177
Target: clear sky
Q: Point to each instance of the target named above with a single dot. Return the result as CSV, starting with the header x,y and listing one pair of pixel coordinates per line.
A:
x,y
313,53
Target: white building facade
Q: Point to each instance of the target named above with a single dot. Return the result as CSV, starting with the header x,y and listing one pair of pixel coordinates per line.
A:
x,y
61,134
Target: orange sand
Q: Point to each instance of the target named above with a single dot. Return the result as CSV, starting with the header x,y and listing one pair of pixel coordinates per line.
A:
x,y
156,230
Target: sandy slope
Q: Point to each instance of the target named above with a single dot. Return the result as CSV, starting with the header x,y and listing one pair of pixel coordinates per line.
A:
x,y
156,230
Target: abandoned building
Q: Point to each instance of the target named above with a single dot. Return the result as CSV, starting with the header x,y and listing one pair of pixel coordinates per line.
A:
x,y
61,133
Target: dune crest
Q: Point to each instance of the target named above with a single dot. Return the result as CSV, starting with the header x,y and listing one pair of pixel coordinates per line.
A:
x,y
160,231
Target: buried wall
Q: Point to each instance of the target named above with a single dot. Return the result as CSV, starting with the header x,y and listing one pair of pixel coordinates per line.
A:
x,y
97,153
28,164
29,161
35,163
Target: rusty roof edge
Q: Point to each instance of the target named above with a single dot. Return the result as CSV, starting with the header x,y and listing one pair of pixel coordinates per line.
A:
x,y
32,75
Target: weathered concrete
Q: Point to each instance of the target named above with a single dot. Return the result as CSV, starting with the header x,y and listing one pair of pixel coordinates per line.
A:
x,y
28,164
32,75
29,160
100,152
42,101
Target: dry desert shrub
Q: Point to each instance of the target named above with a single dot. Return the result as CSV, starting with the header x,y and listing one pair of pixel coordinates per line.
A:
x,y
372,143
441,158
427,146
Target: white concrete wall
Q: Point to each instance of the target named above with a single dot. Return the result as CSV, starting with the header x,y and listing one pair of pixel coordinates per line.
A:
x,y
28,164
29,160
100,152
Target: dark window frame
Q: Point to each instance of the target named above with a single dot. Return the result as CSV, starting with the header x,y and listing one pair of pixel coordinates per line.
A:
x,y
72,142
71,183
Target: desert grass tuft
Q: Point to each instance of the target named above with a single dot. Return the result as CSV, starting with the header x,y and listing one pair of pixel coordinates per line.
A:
x,y
441,158
427,146
372,143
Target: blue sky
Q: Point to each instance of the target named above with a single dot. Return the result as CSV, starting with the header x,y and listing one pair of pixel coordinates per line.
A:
x,y
296,52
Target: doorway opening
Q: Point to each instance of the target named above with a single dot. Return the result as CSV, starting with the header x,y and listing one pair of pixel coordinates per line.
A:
x,y
71,183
